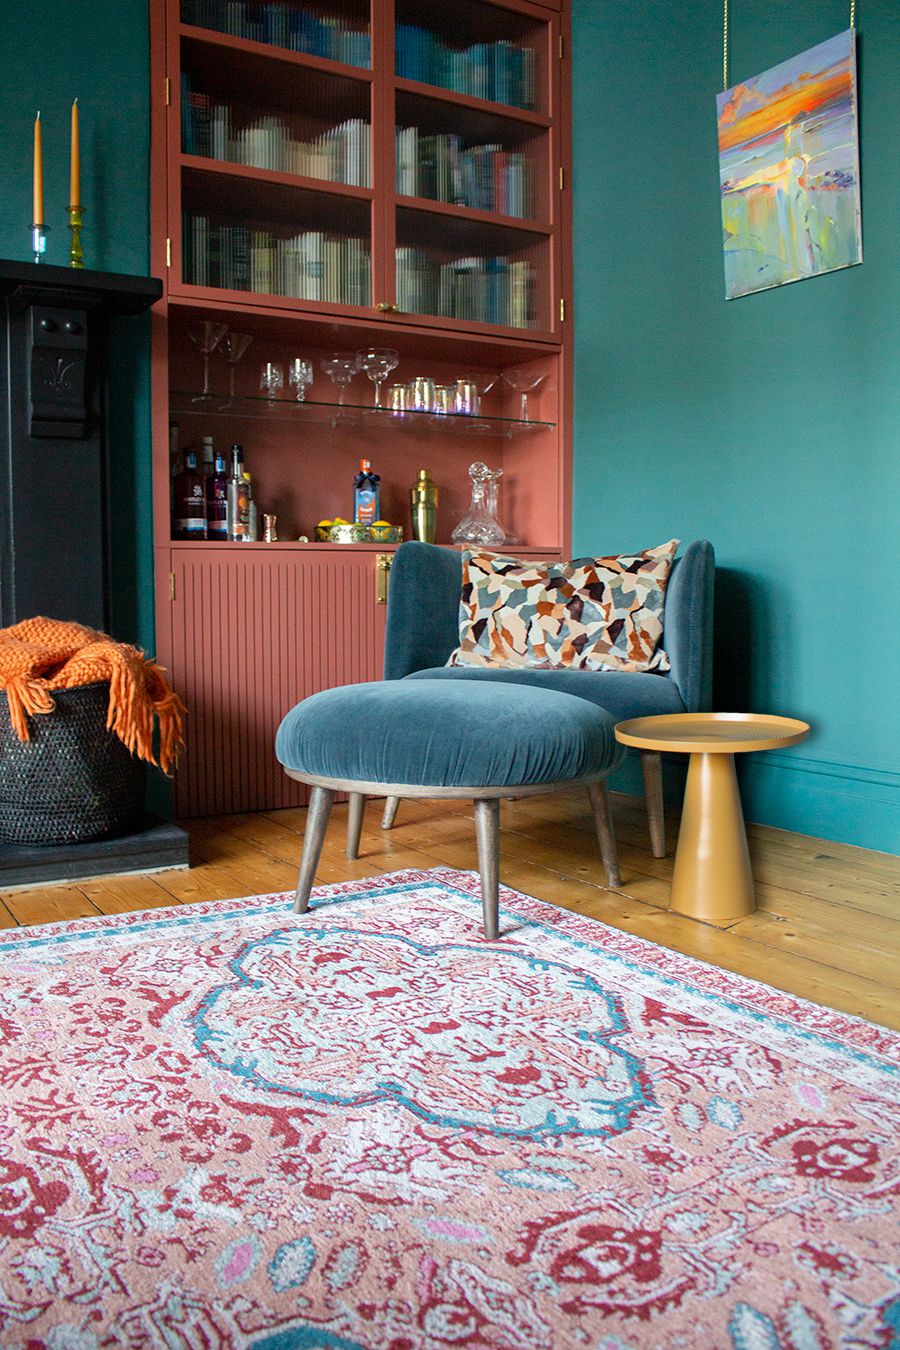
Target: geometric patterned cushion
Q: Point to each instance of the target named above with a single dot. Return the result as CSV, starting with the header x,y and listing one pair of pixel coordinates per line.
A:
x,y
590,614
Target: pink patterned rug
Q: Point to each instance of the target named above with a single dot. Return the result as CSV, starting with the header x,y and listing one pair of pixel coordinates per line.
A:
x,y
225,1125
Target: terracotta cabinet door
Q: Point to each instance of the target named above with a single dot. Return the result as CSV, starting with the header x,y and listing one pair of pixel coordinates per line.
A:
x,y
254,630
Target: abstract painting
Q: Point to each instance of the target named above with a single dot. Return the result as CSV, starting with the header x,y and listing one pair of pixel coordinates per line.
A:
x,y
789,170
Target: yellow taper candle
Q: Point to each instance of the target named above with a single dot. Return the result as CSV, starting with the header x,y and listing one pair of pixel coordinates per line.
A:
x,y
75,176
38,174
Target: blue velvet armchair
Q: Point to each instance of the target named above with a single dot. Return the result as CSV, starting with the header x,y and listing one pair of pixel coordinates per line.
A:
x,y
423,629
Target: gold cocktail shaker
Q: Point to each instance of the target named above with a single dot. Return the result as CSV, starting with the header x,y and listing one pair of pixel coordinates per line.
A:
x,y
424,500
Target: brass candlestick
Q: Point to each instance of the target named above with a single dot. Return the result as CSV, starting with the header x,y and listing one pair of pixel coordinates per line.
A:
x,y
76,221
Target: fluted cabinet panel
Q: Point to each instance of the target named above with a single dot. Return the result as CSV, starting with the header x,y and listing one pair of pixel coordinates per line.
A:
x,y
253,632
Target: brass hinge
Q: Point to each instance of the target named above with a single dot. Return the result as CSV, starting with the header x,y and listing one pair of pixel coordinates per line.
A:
x,y
562,180
562,310
560,47
168,91
168,253
171,585
383,563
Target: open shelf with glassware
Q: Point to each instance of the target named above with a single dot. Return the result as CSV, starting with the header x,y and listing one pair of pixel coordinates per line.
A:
x,y
361,213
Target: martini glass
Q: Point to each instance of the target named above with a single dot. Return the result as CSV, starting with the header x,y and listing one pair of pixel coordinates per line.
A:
x,y
232,348
340,367
207,337
524,379
378,362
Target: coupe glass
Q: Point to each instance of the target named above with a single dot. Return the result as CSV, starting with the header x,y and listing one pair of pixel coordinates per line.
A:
x,y
207,337
232,348
377,362
524,379
271,379
480,524
340,367
300,375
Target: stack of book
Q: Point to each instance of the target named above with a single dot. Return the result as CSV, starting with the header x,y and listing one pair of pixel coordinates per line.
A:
x,y
311,265
485,177
484,290
243,136
281,24
501,71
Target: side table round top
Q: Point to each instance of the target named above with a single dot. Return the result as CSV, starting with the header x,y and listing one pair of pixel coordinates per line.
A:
x,y
711,733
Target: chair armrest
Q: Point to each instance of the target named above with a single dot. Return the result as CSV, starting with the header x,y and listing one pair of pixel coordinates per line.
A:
x,y
688,624
423,608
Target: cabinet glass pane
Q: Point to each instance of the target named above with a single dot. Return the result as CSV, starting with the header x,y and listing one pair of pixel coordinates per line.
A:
x,y
478,50
337,33
485,162
308,264
249,109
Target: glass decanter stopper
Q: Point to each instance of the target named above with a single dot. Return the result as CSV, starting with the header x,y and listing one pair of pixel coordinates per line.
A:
x,y
480,524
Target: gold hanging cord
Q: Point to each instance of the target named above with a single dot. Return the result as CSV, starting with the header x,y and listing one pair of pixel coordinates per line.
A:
x,y
725,39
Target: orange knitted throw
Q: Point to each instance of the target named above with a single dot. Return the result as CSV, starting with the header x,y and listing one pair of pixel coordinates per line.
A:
x,y
38,655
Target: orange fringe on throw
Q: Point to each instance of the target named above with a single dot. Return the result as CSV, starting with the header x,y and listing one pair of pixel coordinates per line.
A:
x,y
38,655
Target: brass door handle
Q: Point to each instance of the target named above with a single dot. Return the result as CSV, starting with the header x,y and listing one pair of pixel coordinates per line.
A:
x,y
384,308
383,562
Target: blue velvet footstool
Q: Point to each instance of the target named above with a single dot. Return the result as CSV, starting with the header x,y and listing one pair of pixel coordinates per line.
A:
x,y
431,738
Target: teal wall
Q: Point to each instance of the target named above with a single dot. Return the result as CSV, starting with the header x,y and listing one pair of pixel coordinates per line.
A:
x,y
56,50
768,424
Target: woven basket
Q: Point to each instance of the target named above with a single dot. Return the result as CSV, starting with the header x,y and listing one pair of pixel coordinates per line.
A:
x,y
74,780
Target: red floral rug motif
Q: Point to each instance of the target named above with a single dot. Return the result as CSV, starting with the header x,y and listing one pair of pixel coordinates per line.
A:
x,y
227,1125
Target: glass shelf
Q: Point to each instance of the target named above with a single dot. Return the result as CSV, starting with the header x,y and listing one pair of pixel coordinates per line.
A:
x,y
187,404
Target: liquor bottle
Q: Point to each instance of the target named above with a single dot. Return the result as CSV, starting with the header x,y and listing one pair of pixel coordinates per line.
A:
x,y
189,513
217,501
236,522
366,494
248,506
207,461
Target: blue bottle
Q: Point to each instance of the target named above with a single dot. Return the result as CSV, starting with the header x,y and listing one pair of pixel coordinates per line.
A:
x,y
365,495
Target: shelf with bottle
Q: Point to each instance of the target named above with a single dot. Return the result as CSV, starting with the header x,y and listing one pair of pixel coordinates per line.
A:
x,y
484,51
335,31
317,126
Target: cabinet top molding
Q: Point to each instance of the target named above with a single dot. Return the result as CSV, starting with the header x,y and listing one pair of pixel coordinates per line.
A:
x,y
115,292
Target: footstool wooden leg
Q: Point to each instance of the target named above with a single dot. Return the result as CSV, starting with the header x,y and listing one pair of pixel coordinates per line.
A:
x,y
390,812
487,834
356,808
651,767
599,795
320,800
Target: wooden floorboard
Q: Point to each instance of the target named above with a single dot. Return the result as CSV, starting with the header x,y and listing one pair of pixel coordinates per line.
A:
x,y
827,927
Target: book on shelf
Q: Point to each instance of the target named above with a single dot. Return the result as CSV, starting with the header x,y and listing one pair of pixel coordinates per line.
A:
x,y
484,177
279,23
308,265
501,71
236,134
483,290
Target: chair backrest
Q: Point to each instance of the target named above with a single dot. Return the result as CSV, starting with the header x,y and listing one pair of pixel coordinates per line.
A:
x,y
423,616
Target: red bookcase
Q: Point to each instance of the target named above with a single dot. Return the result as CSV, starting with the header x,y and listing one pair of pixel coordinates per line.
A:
x,y
326,177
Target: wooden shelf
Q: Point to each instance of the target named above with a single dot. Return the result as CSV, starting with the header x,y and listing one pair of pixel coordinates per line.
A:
x,y
517,224
273,54
484,106
270,199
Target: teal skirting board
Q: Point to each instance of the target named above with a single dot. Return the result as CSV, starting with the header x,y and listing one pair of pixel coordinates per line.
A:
x,y
841,802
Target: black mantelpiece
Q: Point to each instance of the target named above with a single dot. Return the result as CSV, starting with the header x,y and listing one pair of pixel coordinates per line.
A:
x,y
54,532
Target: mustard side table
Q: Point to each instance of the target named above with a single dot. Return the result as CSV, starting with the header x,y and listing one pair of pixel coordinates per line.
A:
x,y
712,880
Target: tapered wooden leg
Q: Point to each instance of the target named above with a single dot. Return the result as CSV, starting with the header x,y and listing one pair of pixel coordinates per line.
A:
x,y
487,834
651,766
320,800
390,812
355,811
599,795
